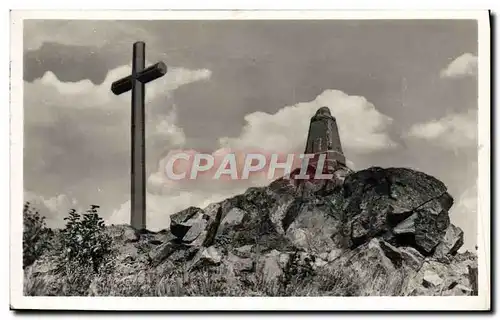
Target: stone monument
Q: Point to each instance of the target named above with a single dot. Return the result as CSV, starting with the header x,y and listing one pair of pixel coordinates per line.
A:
x,y
324,138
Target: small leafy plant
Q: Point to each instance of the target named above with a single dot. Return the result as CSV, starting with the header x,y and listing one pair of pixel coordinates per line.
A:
x,y
84,240
36,235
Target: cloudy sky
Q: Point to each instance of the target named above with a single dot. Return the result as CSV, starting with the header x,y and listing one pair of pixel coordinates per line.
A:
x,y
404,94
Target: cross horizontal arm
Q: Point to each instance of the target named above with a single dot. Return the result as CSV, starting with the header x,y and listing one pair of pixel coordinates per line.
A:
x,y
154,72
122,85
149,74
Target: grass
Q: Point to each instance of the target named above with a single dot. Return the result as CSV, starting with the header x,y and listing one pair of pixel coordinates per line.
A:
x,y
171,280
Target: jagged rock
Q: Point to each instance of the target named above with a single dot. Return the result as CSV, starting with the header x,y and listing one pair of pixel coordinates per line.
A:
x,y
181,222
419,291
199,240
161,252
472,276
198,226
284,211
430,225
131,235
183,254
458,290
334,254
212,209
205,257
456,271
379,199
233,218
306,258
365,270
318,263
323,256
314,228
431,279
269,266
215,216
358,230
404,189
426,226
283,259
244,251
452,241
238,264
298,237
391,252
211,254
406,226
412,257
125,232
162,237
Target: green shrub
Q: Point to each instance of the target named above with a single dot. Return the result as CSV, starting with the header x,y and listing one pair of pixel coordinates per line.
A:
x,y
36,235
84,241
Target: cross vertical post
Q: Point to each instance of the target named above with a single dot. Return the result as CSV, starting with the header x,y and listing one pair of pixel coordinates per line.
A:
x,y
136,84
138,160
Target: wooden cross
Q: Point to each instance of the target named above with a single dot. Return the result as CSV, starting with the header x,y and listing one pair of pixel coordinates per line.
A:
x,y
136,83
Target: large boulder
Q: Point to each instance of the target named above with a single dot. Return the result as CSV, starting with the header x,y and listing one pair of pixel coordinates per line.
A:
x,y
406,226
412,257
182,221
432,279
238,264
204,258
270,266
197,228
314,229
395,201
436,278
370,269
430,225
452,241
162,252
403,189
233,218
123,232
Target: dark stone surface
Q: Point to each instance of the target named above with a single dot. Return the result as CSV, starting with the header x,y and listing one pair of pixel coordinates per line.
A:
x,y
451,242
382,222
324,137
404,189
430,225
180,221
162,252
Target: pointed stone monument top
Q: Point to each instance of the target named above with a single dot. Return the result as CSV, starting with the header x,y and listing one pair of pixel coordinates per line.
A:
x,y
323,111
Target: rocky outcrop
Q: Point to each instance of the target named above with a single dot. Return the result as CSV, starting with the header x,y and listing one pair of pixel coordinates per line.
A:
x,y
376,232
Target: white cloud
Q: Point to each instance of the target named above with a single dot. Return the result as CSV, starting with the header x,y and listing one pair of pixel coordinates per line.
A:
x,y
166,127
53,209
462,66
49,90
362,127
47,99
455,131
464,215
